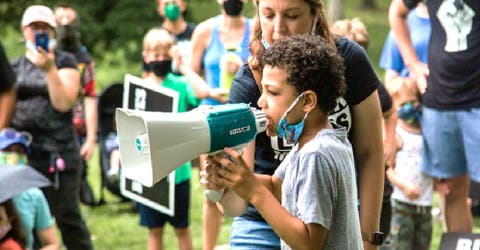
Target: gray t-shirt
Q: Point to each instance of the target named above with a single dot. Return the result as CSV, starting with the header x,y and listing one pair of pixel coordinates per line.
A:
x,y
318,186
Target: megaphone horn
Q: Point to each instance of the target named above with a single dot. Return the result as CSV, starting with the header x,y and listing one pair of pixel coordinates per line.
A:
x,y
153,144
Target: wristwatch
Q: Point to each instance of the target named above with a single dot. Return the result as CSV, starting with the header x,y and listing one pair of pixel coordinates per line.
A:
x,y
375,237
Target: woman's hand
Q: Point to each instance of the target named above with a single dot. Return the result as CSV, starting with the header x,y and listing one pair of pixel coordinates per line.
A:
x,y
42,59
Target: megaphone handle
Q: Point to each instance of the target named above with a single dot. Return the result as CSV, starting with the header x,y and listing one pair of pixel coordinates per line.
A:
x,y
214,195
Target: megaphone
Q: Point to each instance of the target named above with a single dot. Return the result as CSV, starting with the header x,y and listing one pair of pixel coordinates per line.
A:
x,y
153,144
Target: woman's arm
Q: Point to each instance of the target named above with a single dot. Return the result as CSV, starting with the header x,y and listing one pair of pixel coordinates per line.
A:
x,y
200,39
231,204
389,147
63,84
367,142
397,16
7,106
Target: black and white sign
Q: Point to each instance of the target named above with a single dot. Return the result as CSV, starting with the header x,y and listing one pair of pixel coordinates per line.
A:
x,y
141,95
460,241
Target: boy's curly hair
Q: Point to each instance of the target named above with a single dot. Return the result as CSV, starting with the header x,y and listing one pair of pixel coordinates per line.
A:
x,y
311,63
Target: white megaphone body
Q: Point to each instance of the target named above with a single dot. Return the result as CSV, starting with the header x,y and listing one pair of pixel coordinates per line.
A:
x,y
153,144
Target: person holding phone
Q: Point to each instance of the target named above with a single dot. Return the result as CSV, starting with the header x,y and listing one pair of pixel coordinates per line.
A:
x,y
47,88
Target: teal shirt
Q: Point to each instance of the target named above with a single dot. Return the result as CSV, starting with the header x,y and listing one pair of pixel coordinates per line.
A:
x,y
186,99
34,211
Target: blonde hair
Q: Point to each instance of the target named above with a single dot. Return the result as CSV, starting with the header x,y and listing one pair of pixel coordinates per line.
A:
x,y
402,86
156,37
353,29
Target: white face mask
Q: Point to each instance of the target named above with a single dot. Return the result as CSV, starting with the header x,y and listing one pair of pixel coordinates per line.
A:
x,y
314,26
52,44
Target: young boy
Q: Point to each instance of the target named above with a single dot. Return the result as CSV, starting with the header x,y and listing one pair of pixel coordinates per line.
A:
x,y
411,226
157,47
311,200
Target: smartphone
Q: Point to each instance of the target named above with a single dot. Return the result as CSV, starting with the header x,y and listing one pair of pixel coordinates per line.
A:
x,y
41,40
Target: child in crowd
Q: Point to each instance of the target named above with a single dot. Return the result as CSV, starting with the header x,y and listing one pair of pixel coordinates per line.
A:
x,y
411,226
12,236
311,200
32,206
157,56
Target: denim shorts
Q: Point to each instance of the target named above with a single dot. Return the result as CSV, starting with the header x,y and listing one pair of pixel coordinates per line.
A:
x,y
250,234
451,142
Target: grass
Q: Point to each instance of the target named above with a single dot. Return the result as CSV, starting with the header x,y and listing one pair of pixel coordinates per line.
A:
x,y
114,225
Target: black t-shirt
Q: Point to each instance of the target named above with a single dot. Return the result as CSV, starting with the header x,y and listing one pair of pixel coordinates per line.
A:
x,y
7,77
269,152
385,98
186,34
453,54
52,130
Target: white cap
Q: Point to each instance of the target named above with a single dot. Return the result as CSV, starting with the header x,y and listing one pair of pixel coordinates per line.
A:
x,y
38,13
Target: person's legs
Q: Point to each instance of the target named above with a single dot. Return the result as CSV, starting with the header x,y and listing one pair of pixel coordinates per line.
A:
x,y
402,231
457,213
445,157
155,221
180,221
65,205
212,218
184,238
155,238
423,230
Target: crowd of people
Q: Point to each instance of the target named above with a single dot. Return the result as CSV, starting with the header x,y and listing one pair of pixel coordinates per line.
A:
x,y
346,161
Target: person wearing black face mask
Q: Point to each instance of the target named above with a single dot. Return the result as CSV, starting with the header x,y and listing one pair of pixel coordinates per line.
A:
x,y
159,68
157,56
85,110
211,40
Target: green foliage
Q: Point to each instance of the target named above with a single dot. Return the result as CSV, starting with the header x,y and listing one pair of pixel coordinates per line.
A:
x,y
112,30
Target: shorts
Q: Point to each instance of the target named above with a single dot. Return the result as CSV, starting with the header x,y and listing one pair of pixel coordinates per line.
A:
x,y
411,226
251,234
152,218
451,143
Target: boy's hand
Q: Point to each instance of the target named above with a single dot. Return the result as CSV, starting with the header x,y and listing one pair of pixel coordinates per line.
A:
x,y
411,191
208,176
441,187
235,174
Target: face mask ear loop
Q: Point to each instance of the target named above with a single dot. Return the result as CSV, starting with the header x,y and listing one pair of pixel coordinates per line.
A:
x,y
314,26
293,105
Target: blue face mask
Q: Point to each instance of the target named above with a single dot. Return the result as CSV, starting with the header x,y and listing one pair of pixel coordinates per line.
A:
x,y
291,132
409,112
265,44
